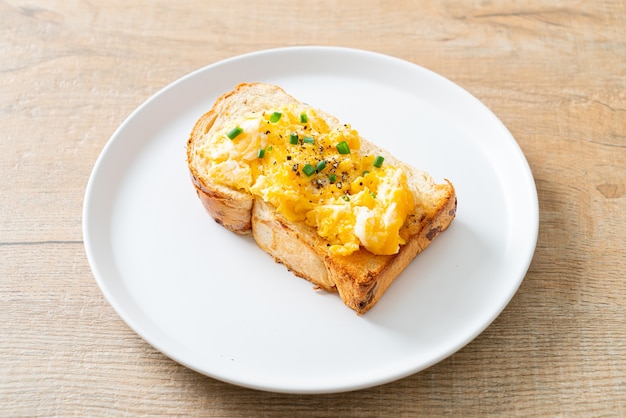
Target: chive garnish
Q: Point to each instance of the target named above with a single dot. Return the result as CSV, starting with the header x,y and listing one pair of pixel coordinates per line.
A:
x,y
275,117
232,134
365,173
343,148
303,118
332,178
261,153
308,169
378,162
293,139
320,166
345,197
308,140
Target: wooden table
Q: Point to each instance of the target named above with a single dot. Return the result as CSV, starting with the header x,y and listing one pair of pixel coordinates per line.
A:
x,y
554,72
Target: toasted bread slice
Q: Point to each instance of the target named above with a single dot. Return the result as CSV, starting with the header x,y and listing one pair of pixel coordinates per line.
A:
x,y
360,278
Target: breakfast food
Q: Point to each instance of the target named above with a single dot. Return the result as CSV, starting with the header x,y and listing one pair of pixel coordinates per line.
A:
x,y
331,206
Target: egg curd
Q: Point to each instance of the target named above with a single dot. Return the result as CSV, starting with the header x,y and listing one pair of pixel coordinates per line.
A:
x,y
292,159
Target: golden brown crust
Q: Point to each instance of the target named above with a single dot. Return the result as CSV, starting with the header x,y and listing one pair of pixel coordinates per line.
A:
x,y
360,278
228,207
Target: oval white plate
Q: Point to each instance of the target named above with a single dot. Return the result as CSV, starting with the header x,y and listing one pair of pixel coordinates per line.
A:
x,y
214,302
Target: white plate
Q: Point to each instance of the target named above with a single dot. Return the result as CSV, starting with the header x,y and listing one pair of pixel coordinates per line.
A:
x,y
216,303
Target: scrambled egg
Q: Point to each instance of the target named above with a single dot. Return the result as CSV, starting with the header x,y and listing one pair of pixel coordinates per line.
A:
x,y
292,159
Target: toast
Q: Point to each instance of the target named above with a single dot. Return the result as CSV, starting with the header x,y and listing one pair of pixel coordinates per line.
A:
x,y
357,273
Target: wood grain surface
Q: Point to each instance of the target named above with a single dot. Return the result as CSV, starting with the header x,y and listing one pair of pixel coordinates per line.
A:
x,y
553,71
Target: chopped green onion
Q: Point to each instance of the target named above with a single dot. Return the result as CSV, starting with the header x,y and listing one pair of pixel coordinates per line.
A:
x,y
275,117
261,153
320,166
332,178
293,139
308,169
345,197
373,195
343,148
308,140
378,162
303,118
365,173
232,134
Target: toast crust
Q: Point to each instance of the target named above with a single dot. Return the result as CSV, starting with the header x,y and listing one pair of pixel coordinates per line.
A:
x,y
360,278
